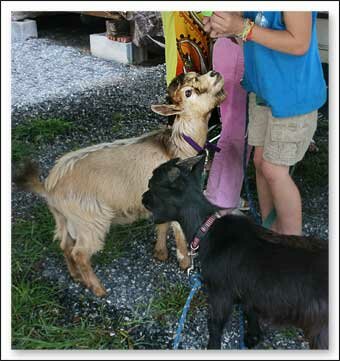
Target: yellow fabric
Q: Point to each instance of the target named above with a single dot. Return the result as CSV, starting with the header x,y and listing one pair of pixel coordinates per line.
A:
x,y
187,46
168,18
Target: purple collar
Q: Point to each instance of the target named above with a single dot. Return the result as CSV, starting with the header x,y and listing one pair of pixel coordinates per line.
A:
x,y
198,148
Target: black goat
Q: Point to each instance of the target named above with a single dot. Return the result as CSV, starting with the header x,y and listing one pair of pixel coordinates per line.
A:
x,y
280,278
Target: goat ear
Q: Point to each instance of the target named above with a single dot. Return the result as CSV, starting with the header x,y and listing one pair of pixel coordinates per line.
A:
x,y
193,163
166,109
198,167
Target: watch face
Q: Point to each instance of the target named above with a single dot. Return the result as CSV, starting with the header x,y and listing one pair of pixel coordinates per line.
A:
x,y
261,20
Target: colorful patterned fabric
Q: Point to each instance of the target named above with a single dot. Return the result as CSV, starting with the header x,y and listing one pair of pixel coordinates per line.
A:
x,y
188,47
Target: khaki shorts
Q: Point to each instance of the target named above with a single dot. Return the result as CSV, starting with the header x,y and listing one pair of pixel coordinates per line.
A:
x,y
285,140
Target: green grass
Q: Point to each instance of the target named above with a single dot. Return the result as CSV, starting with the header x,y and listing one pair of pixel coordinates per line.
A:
x,y
290,332
169,303
117,120
21,150
31,242
26,136
79,337
40,317
41,130
36,315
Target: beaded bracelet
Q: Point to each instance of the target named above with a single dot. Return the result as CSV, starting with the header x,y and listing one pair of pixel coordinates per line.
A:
x,y
248,26
249,36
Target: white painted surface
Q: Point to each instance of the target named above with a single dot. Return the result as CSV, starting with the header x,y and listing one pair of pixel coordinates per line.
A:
x,y
23,30
126,53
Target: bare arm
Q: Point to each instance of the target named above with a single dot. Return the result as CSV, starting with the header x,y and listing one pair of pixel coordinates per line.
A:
x,y
294,40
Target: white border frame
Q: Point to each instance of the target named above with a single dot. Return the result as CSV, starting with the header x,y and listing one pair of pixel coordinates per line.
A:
x,y
6,8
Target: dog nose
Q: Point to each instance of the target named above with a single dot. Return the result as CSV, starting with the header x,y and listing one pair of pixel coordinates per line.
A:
x,y
213,73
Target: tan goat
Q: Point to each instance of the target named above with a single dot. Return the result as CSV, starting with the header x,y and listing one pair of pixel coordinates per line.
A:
x,y
89,189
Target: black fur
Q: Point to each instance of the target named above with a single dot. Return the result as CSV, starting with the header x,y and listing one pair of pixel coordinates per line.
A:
x,y
281,278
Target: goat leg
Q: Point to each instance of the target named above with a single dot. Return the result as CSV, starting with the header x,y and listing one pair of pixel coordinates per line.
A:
x,y
220,308
90,279
319,341
254,333
161,250
182,247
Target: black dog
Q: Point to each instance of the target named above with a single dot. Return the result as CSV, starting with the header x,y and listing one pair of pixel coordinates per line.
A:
x,y
277,277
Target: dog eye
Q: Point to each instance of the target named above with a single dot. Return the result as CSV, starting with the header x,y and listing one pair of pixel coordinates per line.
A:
x,y
188,93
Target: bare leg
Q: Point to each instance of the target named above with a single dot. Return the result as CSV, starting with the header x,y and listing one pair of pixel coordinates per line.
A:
x,y
182,248
91,281
263,189
161,250
286,197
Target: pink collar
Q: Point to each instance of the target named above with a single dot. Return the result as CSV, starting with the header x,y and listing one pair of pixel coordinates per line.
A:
x,y
195,243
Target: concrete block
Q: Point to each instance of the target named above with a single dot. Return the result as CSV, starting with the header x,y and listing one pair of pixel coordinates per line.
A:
x,y
126,53
23,30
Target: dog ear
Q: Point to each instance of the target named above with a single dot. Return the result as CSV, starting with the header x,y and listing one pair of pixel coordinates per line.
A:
x,y
166,109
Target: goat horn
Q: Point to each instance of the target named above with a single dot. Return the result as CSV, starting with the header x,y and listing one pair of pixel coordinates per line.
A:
x,y
190,162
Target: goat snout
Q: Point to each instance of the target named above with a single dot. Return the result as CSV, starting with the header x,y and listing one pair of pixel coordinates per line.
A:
x,y
216,75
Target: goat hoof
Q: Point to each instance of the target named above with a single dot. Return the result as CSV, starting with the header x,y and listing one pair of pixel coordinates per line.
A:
x,y
184,263
77,278
99,291
252,340
161,255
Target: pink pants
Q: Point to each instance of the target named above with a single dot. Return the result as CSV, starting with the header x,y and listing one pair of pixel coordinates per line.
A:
x,y
226,173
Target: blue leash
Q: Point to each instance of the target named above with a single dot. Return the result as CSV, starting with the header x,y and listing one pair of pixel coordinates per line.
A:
x,y
196,283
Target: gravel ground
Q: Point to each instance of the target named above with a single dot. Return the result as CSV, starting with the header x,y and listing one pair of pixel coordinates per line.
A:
x,y
50,80
53,80
133,282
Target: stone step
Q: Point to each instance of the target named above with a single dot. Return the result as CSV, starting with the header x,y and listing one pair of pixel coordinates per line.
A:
x,y
126,53
23,30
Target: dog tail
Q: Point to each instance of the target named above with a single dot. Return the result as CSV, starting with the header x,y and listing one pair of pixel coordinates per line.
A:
x,y
27,178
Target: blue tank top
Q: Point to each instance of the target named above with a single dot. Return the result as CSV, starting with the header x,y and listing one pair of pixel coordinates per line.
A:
x,y
290,84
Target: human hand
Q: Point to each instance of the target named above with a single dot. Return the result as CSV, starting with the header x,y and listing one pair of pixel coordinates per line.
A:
x,y
223,23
